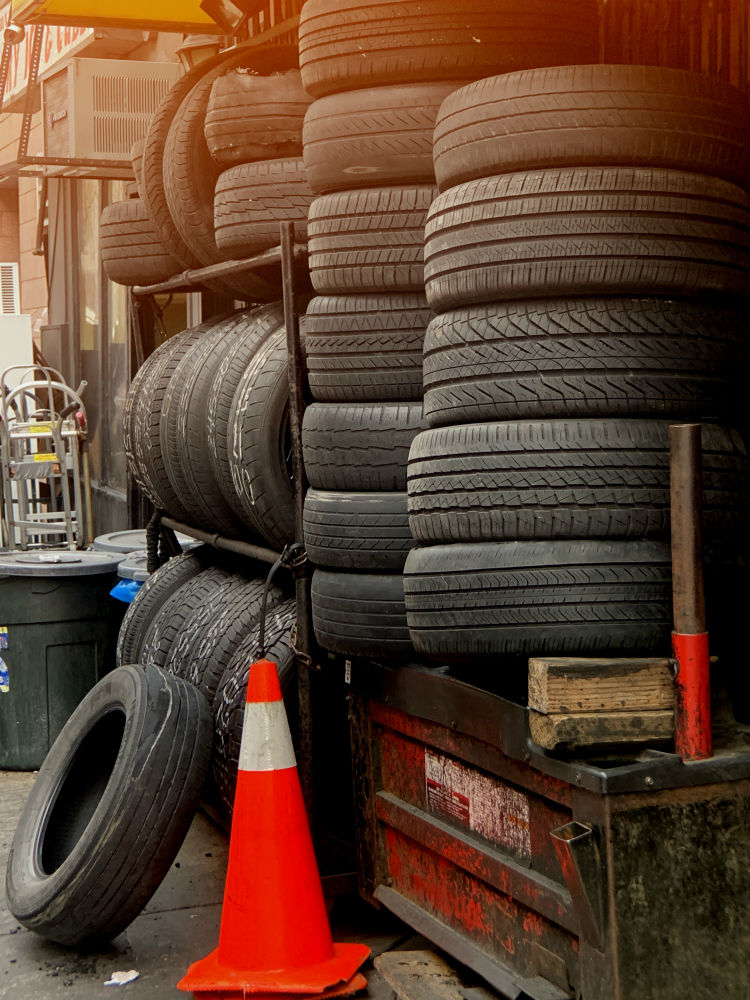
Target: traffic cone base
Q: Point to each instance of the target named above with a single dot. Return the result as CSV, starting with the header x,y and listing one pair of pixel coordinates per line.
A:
x,y
353,985
210,975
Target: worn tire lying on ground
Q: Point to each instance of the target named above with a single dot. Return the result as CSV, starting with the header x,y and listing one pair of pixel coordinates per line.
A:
x,y
110,807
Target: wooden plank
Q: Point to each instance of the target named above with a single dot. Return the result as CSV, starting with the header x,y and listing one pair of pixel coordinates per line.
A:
x,y
425,975
600,729
569,684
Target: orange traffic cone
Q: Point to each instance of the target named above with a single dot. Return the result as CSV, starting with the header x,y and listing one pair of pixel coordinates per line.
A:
x,y
274,935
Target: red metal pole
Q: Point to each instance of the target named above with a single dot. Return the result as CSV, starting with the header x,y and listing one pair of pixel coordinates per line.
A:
x,y
689,638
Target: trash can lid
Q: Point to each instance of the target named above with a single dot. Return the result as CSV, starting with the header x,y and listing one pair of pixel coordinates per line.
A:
x,y
132,540
133,566
64,562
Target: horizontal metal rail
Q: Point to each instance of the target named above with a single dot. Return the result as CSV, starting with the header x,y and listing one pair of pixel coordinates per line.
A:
x,y
225,269
258,552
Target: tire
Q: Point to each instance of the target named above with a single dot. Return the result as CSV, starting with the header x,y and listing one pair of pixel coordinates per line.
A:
x,y
231,694
132,253
110,807
586,231
377,136
251,117
184,430
368,241
260,444
262,322
207,640
366,348
252,199
150,598
347,46
599,115
181,416
359,448
174,612
360,614
565,479
550,598
142,419
357,530
136,159
585,358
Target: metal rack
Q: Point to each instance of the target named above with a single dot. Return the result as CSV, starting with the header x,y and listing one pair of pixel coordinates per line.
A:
x,y
46,492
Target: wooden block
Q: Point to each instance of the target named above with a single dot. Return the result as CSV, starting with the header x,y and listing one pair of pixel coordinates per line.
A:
x,y
424,975
599,728
569,684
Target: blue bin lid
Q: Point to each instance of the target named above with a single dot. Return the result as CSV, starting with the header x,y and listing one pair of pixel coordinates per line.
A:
x,y
58,562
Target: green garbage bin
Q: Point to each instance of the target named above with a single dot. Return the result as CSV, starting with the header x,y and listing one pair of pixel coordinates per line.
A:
x,y
58,630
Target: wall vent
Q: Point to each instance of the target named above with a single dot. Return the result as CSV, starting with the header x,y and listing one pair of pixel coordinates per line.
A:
x,y
95,109
10,299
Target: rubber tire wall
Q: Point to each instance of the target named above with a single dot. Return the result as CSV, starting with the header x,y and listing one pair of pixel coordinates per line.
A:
x,y
110,807
131,251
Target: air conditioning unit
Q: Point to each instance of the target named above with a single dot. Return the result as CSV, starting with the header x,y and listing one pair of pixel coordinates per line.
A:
x,y
95,109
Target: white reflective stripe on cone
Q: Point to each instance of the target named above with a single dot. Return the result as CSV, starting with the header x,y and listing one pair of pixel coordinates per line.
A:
x,y
266,741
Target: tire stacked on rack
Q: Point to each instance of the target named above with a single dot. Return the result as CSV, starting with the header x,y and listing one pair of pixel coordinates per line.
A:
x,y
253,132
587,258
206,426
378,72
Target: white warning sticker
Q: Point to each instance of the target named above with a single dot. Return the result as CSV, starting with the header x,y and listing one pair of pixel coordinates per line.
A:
x,y
487,806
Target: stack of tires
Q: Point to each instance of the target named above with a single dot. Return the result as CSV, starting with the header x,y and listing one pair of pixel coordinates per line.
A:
x,y
206,426
253,131
587,258
169,227
198,618
378,71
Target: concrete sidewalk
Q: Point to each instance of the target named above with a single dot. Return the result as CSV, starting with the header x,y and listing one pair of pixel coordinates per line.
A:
x,y
179,925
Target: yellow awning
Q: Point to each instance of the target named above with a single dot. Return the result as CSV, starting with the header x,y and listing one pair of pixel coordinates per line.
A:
x,y
155,15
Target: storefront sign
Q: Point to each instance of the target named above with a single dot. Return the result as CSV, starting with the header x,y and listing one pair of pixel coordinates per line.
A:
x,y
60,42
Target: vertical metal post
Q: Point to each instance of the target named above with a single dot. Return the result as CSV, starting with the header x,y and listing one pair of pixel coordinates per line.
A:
x,y
689,637
304,643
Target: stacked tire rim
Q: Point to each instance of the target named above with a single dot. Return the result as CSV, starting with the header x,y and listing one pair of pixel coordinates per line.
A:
x,y
379,72
586,258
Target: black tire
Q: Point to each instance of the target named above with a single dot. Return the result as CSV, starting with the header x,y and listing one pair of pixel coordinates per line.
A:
x,y
251,201
565,479
366,348
167,624
231,694
359,448
110,807
599,115
150,598
585,357
587,231
348,45
368,241
208,638
360,614
377,136
262,322
131,252
549,598
260,438
182,415
142,419
250,117
184,429
357,530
